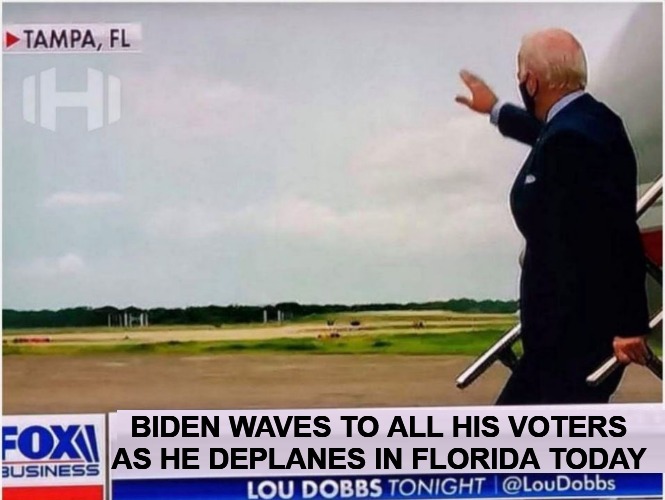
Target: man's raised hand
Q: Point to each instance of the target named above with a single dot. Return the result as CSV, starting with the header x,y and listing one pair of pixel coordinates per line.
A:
x,y
482,98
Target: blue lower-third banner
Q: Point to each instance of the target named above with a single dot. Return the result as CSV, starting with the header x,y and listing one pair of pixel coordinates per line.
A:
x,y
398,487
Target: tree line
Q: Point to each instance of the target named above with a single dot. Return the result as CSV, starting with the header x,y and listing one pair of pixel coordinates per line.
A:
x,y
235,314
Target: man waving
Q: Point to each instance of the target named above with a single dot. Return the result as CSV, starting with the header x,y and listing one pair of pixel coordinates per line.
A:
x,y
582,288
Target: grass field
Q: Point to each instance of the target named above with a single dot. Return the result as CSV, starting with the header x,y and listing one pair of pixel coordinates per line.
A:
x,y
391,332
386,361
370,320
469,343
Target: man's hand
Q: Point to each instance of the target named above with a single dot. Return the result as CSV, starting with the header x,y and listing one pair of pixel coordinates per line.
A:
x,y
482,99
631,350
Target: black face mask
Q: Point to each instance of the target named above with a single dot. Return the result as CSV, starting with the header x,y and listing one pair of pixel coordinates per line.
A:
x,y
529,100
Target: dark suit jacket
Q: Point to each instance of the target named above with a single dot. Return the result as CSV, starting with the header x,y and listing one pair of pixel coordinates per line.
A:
x,y
583,277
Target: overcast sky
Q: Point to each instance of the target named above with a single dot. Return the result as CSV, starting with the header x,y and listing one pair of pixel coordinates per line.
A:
x,y
268,153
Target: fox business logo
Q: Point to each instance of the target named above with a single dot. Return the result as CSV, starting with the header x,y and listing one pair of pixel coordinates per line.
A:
x,y
52,451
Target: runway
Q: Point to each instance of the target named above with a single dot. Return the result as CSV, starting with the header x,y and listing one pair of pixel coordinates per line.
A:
x,y
100,383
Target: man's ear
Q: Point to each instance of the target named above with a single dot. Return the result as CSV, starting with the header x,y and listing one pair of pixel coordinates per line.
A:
x,y
531,84
521,74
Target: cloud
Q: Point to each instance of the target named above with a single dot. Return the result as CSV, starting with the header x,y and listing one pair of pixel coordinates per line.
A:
x,y
190,221
435,188
69,264
190,104
463,157
81,199
422,226
425,188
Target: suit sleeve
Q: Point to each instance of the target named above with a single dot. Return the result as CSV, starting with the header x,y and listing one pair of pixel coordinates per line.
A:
x,y
593,238
518,124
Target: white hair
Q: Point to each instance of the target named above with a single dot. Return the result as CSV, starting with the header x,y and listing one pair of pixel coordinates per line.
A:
x,y
556,57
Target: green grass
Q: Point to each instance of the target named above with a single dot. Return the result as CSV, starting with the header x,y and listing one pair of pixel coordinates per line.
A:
x,y
385,332
432,343
472,343
656,343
